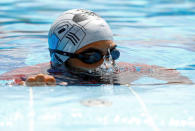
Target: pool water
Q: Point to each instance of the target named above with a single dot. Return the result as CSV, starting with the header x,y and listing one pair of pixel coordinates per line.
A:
x,y
153,32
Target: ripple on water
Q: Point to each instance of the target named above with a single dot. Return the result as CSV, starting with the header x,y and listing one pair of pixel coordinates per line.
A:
x,y
151,32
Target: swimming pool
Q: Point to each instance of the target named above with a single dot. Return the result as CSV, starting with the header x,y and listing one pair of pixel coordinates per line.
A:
x,y
157,32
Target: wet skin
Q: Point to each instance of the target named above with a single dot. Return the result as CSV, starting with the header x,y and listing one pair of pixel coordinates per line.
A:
x,y
103,46
75,63
127,74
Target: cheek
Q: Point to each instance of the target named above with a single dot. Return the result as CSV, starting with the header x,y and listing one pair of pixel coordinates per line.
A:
x,y
79,64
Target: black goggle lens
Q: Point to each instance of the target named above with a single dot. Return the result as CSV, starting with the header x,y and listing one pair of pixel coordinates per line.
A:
x,y
93,56
90,56
115,54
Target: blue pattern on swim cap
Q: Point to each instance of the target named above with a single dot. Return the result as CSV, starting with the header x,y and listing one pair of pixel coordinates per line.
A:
x,y
53,41
52,57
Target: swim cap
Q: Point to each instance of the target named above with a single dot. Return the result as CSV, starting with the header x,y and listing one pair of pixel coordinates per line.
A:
x,y
75,29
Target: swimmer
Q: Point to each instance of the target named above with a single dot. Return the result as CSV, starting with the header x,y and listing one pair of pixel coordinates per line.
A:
x,y
82,52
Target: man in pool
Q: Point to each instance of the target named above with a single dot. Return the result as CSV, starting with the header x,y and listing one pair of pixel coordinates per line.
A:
x,y
82,51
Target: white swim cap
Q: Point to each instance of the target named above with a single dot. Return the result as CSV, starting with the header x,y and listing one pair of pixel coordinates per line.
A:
x,y
75,29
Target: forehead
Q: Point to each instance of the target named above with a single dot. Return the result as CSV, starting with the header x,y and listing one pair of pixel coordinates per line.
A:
x,y
100,45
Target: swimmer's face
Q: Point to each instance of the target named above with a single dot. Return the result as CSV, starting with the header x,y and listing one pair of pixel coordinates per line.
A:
x,y
102,46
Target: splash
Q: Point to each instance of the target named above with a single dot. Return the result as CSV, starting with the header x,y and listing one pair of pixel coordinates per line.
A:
x,y
105,70
108,67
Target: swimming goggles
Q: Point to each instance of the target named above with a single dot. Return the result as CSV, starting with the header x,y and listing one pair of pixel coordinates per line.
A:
x,y
91,55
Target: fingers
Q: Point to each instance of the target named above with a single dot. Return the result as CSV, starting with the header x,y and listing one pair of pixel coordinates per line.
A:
x,y
50,80
40,80
30,81
21,83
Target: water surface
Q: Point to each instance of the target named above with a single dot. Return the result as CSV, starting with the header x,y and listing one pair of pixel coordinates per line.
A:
x,y
154,32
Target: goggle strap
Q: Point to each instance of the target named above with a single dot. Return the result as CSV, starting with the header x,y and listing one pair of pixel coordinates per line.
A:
x,y
72,55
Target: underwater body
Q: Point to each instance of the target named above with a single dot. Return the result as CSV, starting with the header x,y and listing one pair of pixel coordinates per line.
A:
x,y
148,32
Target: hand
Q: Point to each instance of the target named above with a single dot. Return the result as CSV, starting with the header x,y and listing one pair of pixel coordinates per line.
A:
x,y
40,80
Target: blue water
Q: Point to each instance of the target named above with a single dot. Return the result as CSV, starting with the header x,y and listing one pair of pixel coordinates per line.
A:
x,y
154,32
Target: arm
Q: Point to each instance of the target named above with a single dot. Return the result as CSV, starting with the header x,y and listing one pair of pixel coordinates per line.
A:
x,y
25,71
20,74
169,75
136,71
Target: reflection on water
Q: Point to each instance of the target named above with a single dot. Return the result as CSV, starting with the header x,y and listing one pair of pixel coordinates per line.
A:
x,y
154,32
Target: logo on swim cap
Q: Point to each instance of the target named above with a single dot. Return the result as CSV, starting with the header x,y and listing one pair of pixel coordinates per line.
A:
x,y
75,29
